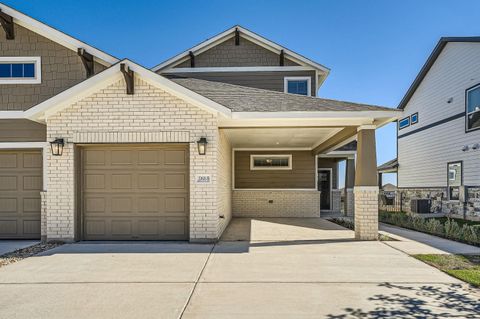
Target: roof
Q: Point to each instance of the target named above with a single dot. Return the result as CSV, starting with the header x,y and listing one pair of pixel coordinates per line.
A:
x,y
430,61
246,99
56,35
249,35
110,76
388,167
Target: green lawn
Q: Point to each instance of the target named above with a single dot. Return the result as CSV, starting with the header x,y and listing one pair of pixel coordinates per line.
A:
x,y
463,267
459,221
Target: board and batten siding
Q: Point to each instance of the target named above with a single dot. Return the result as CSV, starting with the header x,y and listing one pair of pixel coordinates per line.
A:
x,y
423,156
259,79
301,176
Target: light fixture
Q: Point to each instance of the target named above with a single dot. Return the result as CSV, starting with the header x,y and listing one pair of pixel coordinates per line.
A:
x,y
465,148
57,146
202,146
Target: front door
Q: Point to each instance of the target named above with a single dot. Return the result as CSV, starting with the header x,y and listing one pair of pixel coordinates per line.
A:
x,y
324,186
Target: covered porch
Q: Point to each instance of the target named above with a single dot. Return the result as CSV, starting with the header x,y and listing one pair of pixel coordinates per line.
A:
x,y
289,168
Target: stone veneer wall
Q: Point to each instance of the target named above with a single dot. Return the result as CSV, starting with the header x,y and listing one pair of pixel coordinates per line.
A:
x,y
150,115
224,182
366,212
440,204
285,203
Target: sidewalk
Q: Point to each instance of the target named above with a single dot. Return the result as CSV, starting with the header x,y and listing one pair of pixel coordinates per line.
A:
x,y
413,242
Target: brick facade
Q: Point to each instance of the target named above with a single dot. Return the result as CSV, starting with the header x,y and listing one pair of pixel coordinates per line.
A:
x,y
112,116
284,203
366,212
349,202
224,181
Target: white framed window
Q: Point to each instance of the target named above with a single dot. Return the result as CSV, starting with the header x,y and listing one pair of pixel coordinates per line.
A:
x,y
472,108
403,123
270,162
298,85
20,70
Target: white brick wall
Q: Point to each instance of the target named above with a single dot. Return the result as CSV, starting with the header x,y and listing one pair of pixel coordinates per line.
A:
x,y
366,212
43,216
286,203
349,202
224,181
150,115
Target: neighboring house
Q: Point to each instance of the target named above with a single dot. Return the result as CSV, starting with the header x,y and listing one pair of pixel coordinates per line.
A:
x,y
93,148
439,137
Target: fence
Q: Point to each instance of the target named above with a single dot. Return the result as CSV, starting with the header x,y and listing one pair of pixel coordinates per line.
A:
x,y
390,201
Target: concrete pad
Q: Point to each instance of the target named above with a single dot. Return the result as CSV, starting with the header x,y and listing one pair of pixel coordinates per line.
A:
x,y
287,300
276,229
320,261
100,263
77,301
413,242
7,246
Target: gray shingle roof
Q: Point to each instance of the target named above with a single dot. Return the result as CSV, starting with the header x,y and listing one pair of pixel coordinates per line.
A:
x,y
245,99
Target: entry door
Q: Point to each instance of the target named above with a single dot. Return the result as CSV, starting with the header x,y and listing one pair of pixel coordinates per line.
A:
x,y
325,186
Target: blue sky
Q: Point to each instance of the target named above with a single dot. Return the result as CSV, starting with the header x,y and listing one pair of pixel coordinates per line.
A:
x,y
373,48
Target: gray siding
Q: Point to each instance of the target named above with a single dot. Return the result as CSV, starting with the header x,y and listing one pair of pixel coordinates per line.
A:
x,y
227,54
262,80
61,69
20,130
423,156
302,174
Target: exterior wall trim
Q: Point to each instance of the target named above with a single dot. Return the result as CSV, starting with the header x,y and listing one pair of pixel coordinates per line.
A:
x,y
240,69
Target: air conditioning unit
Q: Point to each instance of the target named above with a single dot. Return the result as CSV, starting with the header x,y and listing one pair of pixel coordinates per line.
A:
x,y
420,206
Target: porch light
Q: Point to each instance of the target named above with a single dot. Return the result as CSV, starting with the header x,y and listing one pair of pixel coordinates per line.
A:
x,y
57,146
202,146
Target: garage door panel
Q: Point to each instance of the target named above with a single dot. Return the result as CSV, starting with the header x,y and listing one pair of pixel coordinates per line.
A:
x,y
140,189
20,185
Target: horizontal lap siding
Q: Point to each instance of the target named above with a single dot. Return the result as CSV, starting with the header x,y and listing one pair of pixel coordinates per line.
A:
x,y
423,156
22,131
302,174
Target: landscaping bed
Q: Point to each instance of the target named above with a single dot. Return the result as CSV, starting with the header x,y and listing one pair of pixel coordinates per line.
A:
x,y
451,229
463,267
23,253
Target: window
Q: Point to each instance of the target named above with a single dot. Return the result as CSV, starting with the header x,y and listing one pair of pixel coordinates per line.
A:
x,y
414,118
473,108
298,85
270,162
403,123
454,180
20,70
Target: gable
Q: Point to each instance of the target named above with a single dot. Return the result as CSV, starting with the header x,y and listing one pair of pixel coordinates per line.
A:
x,y
61,68
227,54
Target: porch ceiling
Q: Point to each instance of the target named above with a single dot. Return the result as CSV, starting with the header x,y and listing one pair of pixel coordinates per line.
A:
x,y
297,137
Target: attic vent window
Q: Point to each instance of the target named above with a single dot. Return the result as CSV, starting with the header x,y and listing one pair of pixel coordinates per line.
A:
x,y
298,85
20,70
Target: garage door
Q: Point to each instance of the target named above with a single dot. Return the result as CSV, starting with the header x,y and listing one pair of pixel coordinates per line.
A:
x,y
20,186
135,192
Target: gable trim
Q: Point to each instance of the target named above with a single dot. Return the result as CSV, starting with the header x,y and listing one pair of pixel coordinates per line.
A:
x,y
57,36
239,69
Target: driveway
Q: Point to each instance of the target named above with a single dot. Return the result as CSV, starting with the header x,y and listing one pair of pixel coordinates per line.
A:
x,y
262,268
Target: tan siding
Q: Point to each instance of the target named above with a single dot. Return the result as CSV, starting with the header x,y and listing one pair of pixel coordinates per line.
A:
x,y
423,156
22,131
227,54
61,69
262,80
302,174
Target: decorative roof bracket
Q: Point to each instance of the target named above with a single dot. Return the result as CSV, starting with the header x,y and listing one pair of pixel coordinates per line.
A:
x,y
129,78
87,60
192,59
7,23
237,37
282,58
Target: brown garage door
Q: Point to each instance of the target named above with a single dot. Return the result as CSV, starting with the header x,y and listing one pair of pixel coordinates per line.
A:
x,y
135,192
20,186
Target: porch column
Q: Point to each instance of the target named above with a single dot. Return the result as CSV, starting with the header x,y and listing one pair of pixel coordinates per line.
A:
x,y
349,183
366,185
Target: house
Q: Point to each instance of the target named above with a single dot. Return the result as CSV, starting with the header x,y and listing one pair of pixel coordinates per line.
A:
x,y
438,137
97,148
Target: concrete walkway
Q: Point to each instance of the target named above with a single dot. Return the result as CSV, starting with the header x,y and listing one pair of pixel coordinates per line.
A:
x,y
269,268
413,242
7,246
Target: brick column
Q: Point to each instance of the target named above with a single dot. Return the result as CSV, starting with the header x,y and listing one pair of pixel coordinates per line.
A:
x,y
366,186
43,216
349,184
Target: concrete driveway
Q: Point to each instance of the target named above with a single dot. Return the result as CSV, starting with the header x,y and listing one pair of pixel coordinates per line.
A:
x,y
270,268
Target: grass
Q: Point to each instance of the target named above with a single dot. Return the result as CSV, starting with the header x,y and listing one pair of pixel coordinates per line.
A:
x,y
459,221
463,267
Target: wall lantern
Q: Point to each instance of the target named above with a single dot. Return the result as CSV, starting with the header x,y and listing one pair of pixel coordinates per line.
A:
x,y
57,146
202,145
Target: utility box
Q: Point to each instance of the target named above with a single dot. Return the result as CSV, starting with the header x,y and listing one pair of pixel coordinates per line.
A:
x,y
420,206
